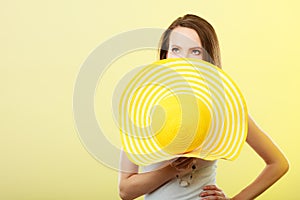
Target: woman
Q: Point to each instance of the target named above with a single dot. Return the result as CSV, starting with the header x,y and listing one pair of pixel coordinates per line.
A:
x,y
191,178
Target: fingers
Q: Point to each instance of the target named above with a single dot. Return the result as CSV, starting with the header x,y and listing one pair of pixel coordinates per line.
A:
x,y
212,192
183,159
182,163
211,187
213,198
185,164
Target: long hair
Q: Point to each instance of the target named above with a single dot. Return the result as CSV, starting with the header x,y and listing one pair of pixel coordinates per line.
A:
x,y
205,32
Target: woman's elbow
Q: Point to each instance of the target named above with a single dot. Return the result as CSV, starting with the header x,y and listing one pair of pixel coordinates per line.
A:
x,y
281,165
123,193
284,166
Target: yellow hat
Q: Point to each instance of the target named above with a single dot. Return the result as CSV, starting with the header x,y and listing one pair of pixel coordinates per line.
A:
x,y
182,108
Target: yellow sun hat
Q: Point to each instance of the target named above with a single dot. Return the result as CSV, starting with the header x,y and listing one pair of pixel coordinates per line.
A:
x,y
181,107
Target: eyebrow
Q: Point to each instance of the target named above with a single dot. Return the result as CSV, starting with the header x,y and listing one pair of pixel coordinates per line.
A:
x,y
196,47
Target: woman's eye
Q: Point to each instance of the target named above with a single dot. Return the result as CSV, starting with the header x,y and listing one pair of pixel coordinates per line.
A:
x,y
196,52
175,50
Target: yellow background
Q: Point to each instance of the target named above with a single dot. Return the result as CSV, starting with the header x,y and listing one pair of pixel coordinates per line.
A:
x,y
44,43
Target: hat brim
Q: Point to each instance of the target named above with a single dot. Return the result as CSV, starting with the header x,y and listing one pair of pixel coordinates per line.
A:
x,y
227,130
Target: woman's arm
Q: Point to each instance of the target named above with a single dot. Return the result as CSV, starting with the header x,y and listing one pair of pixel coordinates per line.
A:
x,y
133,184
276,166
276,163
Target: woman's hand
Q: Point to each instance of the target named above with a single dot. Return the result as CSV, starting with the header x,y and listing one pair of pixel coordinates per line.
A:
x,y
183,165
212,192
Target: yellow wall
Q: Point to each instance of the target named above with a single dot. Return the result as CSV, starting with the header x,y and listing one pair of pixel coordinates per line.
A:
x,y
43,44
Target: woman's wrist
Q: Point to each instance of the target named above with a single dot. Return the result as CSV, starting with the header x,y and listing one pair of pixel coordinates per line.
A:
x,y
172,171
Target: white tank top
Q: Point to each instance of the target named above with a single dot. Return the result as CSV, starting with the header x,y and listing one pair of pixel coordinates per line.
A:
x,y
205,175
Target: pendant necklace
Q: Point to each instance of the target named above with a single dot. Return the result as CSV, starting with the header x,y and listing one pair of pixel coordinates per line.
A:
x,y
186,182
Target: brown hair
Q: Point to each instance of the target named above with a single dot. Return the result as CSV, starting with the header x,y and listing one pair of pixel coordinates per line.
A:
x,y
205,32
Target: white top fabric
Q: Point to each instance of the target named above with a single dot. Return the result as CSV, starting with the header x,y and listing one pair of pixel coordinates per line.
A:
x,y
205,175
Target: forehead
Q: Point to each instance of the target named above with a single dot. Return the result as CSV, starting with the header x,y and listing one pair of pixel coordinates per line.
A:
x,y
184,37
